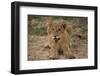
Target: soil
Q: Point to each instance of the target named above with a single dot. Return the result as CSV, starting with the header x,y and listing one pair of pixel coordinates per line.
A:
x,y
37,50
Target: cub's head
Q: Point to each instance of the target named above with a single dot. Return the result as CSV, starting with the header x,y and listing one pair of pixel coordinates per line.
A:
x,y
56,29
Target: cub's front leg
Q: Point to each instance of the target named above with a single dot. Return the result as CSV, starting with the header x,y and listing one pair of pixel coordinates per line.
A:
x,y
68,53
53,53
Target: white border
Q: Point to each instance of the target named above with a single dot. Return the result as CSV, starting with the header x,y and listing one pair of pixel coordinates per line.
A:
x,y
26,65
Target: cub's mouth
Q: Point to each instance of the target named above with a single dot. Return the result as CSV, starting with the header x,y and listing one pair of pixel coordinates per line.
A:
x,y
56,39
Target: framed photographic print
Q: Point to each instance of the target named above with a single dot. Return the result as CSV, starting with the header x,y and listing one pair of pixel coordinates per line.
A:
x,y
52,37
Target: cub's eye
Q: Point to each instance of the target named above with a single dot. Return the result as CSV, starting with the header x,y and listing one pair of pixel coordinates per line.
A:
x,y
52,28
58,29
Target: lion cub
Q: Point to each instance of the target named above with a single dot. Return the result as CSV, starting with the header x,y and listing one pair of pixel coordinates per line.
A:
x,y
59,39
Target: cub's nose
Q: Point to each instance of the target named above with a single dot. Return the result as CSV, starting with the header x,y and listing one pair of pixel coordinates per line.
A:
x,y
56,38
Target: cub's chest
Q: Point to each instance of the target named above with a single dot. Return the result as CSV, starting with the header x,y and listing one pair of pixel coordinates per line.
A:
x,y
60,51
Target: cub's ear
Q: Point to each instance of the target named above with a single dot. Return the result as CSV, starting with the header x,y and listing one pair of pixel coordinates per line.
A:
x,y
49,23
64,25
69,29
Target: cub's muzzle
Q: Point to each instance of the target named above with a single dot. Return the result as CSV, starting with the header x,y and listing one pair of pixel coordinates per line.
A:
x,y
56,39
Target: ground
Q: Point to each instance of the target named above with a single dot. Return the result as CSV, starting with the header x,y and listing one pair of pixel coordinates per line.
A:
x,y
40,52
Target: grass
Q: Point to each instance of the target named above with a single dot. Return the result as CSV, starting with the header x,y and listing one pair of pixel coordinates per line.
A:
x,y
38,31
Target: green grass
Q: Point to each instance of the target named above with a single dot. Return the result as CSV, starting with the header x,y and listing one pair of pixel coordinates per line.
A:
x,y
38,31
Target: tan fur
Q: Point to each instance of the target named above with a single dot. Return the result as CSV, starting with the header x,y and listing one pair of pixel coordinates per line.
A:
x,y
59,38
